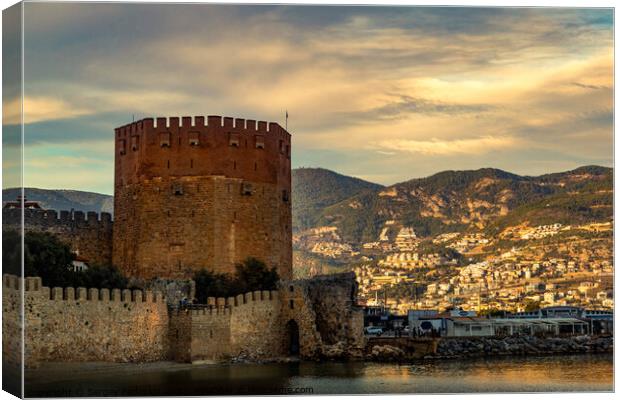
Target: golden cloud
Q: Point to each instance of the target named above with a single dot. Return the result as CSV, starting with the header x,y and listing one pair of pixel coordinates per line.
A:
x,y
438,147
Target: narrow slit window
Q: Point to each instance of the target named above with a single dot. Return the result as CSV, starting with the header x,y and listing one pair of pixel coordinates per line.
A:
x,y
134,142
246,189
177,189
121,147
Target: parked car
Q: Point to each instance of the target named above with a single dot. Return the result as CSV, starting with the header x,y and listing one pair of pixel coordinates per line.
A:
x,y
373,330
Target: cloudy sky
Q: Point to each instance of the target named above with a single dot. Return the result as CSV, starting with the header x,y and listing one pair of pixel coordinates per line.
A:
x,y
382,93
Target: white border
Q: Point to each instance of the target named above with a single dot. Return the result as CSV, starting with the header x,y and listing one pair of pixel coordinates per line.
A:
x,y
478,3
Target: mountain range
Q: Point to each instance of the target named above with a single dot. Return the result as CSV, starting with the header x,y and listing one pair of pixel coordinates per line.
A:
x,y
485,199
60,199
449,201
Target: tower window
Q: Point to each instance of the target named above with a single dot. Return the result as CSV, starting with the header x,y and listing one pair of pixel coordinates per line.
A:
x,y
285,196
260,141
233,139
168,164
164,139
291,304
194,138
134,142
281,146
246,189
191,163
177,189
121,147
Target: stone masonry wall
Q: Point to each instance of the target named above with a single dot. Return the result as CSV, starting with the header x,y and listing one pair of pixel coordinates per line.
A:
x,y
170,227
247,326
338,319
12,320
89,235
296,307
250,326
211,332
256,327
68,324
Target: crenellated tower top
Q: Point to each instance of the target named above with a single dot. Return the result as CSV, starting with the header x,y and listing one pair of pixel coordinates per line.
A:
x,y
195,146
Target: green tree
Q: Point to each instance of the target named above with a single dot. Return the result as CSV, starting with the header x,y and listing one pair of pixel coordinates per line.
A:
x,y
101,276
11,252
50,259
532,306
210,284
47,257
493,312
249,276
253,274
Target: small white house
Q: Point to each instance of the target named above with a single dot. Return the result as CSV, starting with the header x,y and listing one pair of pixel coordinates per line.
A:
x,y
79,264
469,326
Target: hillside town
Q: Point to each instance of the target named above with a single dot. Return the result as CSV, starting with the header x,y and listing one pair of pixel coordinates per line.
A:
x,y
525,268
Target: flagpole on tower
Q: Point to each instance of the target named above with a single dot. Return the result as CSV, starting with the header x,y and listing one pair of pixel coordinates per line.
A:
x,y
286,121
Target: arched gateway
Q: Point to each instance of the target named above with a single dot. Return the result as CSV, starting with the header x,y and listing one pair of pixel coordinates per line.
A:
x,y
292,338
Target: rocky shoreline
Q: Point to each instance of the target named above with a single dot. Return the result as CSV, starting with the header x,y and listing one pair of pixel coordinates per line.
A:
x,y
470,347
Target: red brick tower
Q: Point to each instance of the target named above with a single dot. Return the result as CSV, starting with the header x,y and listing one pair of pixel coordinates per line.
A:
x,y
195,195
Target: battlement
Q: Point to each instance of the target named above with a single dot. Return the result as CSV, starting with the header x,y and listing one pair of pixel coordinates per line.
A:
x,y
163,146
239,300
198,123
227,305
87,234
34,284
12,216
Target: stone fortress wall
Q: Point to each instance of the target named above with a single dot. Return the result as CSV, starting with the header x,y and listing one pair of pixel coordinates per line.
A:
x,y
88,234
69,324
196,195
260,325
